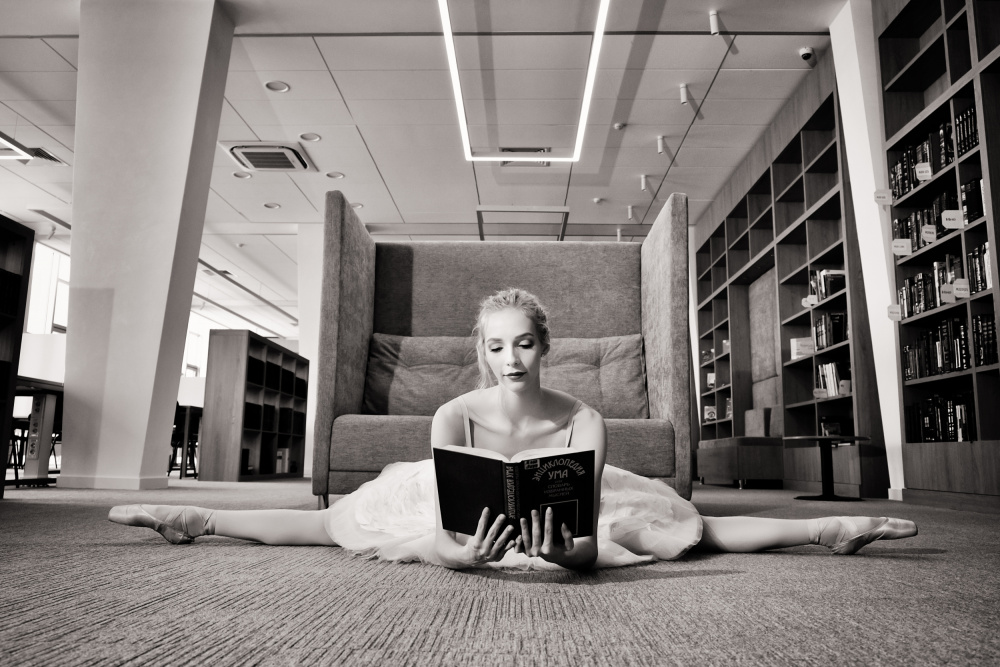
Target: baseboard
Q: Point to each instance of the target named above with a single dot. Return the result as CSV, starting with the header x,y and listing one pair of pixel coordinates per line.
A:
x,y
127,483
970,502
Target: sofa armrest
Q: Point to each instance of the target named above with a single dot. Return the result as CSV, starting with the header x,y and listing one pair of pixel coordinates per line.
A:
x,y
346,313
665,331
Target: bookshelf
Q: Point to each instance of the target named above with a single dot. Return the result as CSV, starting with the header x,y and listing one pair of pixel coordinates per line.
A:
x,y
254,421
939,67
16,245
788,208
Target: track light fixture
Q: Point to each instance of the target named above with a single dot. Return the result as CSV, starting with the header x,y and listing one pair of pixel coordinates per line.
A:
x,y
684,93
630,212
659,144
713,22
642,183
619,234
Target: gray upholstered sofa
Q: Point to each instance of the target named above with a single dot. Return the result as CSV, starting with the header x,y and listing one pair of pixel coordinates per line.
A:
x,y
391,296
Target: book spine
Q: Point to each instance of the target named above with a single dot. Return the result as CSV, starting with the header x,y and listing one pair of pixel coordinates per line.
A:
x,y
510,474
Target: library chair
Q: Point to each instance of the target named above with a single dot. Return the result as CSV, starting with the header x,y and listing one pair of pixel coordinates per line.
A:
x,y
189,468
396,319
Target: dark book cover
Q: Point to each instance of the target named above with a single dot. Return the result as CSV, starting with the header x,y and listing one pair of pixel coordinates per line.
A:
x,y
470,479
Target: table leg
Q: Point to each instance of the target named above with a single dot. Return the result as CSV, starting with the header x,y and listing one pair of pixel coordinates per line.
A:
x,y
826,475
184,442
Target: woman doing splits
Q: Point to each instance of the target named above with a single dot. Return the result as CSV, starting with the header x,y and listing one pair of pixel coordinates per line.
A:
x,y
396,516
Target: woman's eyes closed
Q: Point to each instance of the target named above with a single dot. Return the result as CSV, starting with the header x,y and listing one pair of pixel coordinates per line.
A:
x,y
523,346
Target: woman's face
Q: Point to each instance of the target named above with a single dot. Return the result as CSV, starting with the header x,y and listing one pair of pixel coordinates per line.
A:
x,y
512,349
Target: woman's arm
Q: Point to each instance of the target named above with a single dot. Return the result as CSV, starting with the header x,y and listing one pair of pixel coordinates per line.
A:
x,y
491,541
556,544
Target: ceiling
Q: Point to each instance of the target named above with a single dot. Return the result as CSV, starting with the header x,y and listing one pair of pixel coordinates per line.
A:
x,y
371,79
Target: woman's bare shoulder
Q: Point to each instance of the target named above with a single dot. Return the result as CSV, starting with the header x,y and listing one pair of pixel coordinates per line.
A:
x,y
563,402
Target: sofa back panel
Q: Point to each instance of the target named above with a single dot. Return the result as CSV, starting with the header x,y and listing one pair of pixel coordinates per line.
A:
x,y
368,443
591,290
415,375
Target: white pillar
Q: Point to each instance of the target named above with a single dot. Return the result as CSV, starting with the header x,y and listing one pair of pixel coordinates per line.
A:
x,y
149,95
853,39
310,274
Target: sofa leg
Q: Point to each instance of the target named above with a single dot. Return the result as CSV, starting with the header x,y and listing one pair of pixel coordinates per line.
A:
x,y
740,482
323,501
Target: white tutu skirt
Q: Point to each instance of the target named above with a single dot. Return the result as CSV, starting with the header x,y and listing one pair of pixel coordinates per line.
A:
x,y
392,517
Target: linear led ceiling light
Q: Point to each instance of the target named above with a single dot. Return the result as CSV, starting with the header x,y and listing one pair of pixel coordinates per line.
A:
x,y
588,91
11,149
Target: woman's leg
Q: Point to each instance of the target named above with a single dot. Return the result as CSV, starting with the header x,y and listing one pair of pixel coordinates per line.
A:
x,y
844,535
181,524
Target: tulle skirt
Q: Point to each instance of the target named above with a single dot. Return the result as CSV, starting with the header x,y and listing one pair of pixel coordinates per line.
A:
x,y
392,517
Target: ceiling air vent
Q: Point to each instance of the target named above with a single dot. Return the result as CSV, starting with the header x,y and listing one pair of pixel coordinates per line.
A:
x,y
524,163
268,156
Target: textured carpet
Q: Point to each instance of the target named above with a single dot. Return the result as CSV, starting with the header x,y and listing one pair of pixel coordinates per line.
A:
x,y
78,590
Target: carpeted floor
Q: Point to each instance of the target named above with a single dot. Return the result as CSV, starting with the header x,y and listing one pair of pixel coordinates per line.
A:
x,y
78,590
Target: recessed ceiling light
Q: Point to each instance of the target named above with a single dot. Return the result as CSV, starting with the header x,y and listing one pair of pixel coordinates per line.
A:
x,y
588,90
309,136
271,204
357,205
334,174
277,86
242,174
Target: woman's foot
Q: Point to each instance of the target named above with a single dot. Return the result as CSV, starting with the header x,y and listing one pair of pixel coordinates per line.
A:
x,y
846,534
178,524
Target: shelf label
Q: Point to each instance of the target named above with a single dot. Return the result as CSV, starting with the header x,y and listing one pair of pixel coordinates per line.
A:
x,y
947,293
844,387
895,314
923,171
883,197
812,299
902,247
928,233
952,219
819,393
961,286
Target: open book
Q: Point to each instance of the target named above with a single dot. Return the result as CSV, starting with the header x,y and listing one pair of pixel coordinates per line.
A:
x,y
470,479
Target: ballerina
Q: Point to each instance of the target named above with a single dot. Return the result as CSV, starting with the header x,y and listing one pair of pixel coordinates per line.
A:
x,y
396,516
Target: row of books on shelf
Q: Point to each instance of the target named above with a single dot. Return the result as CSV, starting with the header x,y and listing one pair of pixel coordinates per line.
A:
x,y
942,419
984,340
944,349
966,131
281,463
832,379
923,226
824,282
919,162
925,291
830,329
980,268
972,199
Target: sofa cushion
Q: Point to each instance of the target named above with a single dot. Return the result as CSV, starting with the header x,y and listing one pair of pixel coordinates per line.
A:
x,y
368,443
416,375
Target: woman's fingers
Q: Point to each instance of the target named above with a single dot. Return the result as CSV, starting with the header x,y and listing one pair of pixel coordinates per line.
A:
x,y
525,534
536,531
567,535
547,543
483,519
501,545
494,530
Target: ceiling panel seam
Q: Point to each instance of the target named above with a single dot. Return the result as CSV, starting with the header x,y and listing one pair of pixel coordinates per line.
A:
x,y
360,133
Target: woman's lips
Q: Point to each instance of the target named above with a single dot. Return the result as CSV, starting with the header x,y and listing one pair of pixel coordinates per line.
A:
x,y
515,376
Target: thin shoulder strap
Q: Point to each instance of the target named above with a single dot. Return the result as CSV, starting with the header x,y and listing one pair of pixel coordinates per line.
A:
x,y
572,414
466,422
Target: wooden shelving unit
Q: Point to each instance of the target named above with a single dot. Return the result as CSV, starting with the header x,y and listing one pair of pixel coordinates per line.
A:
x,y
16,245
796,217
939,64
254,422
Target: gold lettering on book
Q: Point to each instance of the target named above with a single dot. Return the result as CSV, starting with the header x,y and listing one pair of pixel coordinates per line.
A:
x,y
511,496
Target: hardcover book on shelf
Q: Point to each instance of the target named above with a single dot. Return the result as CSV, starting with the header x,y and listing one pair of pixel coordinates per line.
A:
x,y
470,479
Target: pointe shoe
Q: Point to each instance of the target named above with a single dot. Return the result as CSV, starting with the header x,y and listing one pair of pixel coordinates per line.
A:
x,y
175,523
885,529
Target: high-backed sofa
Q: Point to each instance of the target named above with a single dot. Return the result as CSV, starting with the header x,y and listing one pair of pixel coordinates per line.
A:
x,y
393,296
